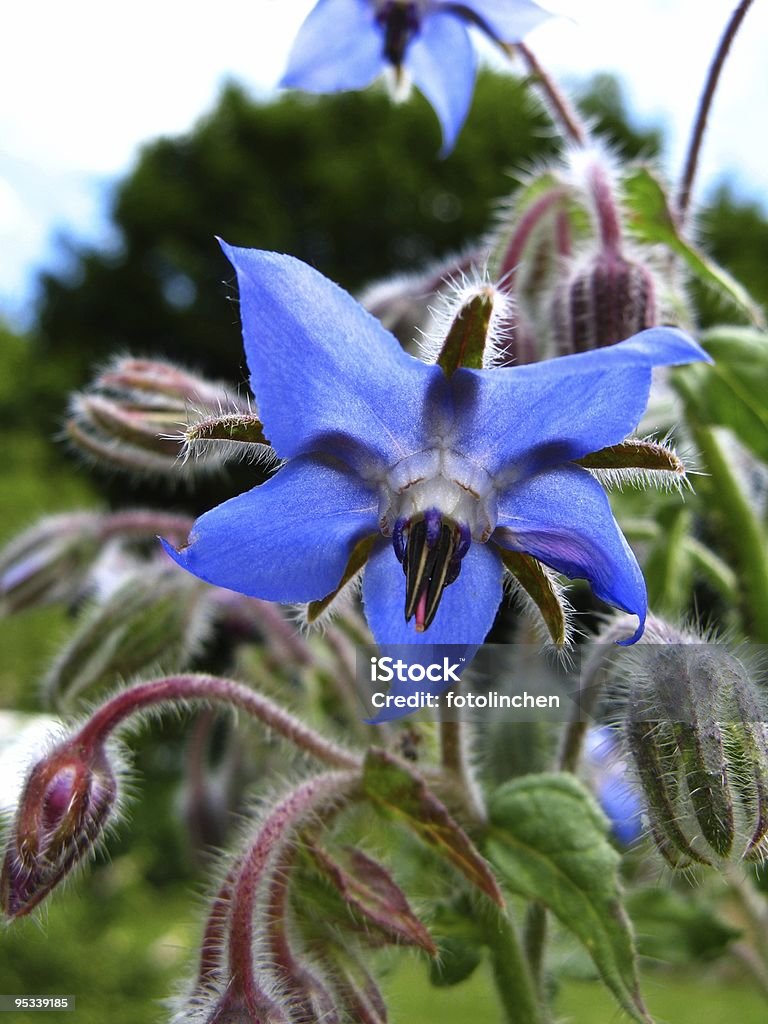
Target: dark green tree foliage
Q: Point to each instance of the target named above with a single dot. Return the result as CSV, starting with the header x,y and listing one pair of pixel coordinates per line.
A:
x,y
737,233
349,183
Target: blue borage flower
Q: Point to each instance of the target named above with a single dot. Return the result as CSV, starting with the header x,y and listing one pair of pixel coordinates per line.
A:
x,y
346,44
424,477
616,794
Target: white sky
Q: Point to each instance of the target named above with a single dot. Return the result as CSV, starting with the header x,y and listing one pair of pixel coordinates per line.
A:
x,y
84,82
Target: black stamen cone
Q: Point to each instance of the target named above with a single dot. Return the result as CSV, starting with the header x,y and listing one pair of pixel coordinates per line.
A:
x,y
429,569
400,23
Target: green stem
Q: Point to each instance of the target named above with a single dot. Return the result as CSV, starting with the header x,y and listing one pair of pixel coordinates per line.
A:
x,y
535,937
514,983
456,767
745,532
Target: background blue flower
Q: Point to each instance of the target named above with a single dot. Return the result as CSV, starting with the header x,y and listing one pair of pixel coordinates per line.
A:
x,y
346,44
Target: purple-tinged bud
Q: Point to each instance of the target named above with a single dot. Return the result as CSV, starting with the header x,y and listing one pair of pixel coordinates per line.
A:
x,y
604,299
48,562
69,797
163,384
136,414
155,618
603,295
370,891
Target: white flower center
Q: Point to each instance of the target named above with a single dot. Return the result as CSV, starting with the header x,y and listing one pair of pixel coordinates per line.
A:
x,y
439,478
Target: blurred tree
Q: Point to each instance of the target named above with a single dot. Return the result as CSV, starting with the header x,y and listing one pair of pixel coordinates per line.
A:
x,y
736,233
348,183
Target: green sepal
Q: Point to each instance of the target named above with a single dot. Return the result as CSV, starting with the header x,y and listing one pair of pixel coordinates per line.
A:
x,y
360,554
541,588
632,454
401,792
235,427
467,337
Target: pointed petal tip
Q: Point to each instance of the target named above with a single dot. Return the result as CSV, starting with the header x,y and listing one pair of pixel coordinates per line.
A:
x,y
628,641
177,554
670,346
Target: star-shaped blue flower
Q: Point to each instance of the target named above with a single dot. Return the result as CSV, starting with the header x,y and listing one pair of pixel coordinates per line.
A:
x,y
441,473
346,44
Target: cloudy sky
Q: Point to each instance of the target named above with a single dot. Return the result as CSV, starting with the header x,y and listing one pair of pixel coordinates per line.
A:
x,y
83,83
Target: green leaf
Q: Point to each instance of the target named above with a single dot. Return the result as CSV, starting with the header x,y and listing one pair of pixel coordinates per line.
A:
x,y
369,890
652,221
457,961
731,393
540,586
678,929
549,841
393,786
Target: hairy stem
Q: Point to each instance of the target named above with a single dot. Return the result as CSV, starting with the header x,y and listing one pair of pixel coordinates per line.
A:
x,y
746,534
211,689
514,983
705,104
265,850
563,110
453,756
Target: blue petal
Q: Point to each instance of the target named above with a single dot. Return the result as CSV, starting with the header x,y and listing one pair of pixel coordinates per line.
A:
x,y
622,806
467,609
441,61
326,375
509,20
523,418
338,47
563,518
287,540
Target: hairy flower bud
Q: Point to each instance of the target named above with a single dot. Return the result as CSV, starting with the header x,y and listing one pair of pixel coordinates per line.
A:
x,y
156,617
135,414
604,298
69,797
48,562
696,733
603,295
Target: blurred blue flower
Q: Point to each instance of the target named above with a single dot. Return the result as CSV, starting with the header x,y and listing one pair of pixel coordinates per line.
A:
x,y
346,44
439,473
619,798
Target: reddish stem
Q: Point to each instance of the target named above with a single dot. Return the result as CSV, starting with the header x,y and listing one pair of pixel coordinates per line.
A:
x,y
183,688
267,847
705,104
562,108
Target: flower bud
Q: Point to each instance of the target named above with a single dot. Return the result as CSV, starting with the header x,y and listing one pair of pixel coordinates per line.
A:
x,y
134,415
696,733
156,617
69,797
603,299
161,384
48,562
